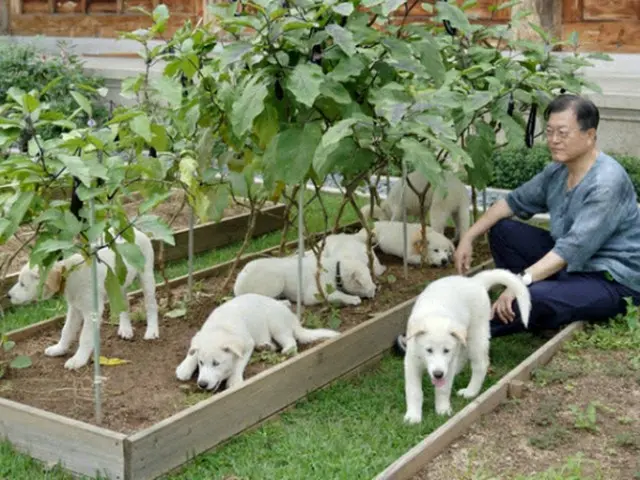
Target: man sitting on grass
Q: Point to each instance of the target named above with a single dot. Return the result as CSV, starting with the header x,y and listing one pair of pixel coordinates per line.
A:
x,y
589,261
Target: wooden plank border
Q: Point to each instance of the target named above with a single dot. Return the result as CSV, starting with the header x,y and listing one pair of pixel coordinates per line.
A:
x,y
79,447
206,237
175,440
417,457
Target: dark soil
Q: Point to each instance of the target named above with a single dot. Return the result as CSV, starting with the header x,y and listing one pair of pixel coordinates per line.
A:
x,y
172,207
144,391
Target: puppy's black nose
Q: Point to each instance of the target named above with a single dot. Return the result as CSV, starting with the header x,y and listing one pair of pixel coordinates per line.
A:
x,y
438,374
203,385
443,262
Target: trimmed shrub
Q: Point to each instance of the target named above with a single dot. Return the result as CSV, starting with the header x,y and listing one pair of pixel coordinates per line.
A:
x,y
25,67
513,167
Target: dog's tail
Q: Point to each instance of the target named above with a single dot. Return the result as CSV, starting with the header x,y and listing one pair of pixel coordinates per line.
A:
x,y
308,335
499,276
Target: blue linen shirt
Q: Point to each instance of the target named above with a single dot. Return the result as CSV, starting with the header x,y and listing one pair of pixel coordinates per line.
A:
x,y
595,225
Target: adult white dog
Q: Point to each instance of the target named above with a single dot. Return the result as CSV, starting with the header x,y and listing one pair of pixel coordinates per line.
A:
x,y
390,240
348,280
73,277
222,348
449,324
346,246
449,200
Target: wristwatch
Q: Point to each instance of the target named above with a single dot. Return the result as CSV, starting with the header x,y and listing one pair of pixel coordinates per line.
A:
x,y
526,277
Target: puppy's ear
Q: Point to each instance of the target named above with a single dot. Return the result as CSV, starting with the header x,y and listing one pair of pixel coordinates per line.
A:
x,y
460,335
54,282
234,347
415,332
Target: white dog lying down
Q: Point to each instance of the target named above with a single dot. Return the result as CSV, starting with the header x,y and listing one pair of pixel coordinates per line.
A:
x,y
223,346
389,236
278,277
450,200
345,246
78,294
449,324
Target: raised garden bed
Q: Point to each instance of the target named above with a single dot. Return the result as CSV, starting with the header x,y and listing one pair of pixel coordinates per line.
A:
x,y
206,236
510,386
577,418
151,428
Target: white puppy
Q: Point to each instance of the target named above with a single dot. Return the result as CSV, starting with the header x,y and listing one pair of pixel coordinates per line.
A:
x,y
278,277
78,294
450,200
223,346
449,324
345,246
390,239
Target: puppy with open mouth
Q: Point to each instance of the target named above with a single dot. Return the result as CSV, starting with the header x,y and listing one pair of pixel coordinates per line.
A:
x,y
449,324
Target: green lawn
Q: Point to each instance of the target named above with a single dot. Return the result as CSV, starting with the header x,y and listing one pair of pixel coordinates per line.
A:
x,y
350,430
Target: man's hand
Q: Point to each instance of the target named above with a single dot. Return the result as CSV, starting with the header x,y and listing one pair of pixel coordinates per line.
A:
x,y
463,255
503,307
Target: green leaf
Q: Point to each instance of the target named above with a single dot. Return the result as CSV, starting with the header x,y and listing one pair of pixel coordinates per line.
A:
x,y
17,211
457,18
49,246
117,302
170,89
476,101
77,168
248,106
343,38
347,68
480,146
334,90
153,201
233,53
266,126
430,57
83,102
289,153
328,143
188,168
304,82
141,126
156,228
8,345
390,6
20,362
344,9
31,103
132,254
422,157
160,13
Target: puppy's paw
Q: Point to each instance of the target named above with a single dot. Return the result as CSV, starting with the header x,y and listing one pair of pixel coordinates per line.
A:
x,y
444,409
125,332
183,373
55,350
234,381
151,333
74,363
353,301
412,418
467,393
269,346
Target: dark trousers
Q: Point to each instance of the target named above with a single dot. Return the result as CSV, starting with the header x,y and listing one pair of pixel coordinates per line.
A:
x,y
562,298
